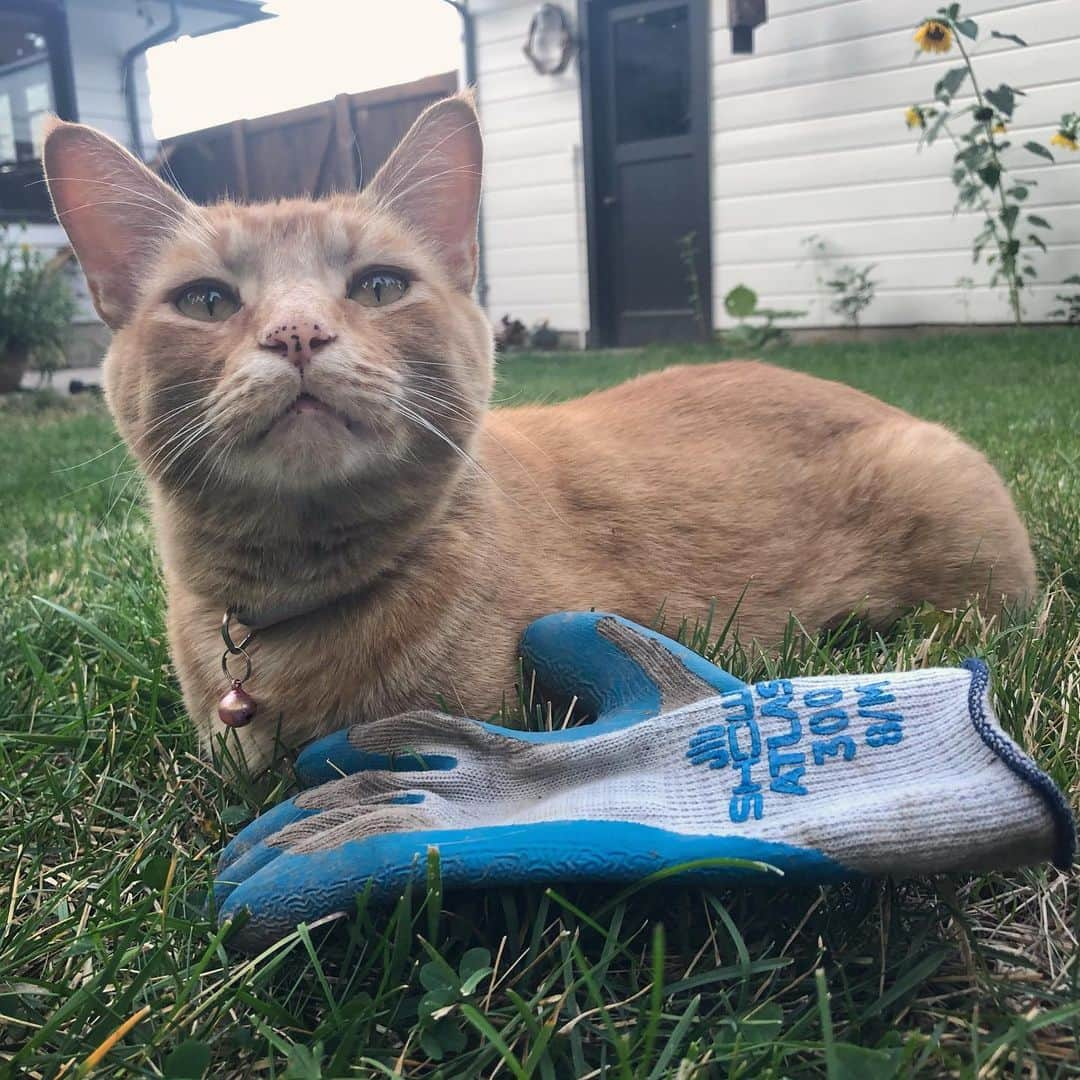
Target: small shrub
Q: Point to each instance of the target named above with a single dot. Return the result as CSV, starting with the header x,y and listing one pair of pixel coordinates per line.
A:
x,y
741,303
853,291
543,337
36,304
512,334
1070,309
851,287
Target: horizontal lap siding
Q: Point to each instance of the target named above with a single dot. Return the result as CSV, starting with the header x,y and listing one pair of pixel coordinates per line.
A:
x,y
808,137
533,219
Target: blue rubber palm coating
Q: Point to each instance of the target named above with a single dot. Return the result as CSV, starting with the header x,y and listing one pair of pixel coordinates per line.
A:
x,y
571,658
301,888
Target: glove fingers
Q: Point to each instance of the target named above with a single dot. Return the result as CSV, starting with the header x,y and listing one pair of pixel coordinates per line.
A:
x,y
419,741
263,826
618,670
301,834
304,887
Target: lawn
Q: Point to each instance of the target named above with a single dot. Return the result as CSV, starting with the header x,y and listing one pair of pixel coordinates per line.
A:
x,y
110,825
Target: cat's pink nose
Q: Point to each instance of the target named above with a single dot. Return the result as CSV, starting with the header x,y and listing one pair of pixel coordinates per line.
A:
x,y
297,340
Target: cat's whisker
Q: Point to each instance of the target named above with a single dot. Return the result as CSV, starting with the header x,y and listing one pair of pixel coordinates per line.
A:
x,y
188,438
168,388
191,435
465,169
90,460
424,157
169,230
180,432
456,411
192,217
215,444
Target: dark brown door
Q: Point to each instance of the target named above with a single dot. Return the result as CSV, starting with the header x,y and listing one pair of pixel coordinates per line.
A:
x,y
650,264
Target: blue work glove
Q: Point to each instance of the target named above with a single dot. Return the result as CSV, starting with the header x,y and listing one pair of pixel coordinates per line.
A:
x,y
820,778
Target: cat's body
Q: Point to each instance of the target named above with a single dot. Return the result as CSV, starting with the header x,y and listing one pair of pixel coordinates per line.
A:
x,y
388,569
758,488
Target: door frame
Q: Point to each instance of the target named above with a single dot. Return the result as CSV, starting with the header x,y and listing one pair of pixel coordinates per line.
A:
x,y
602,316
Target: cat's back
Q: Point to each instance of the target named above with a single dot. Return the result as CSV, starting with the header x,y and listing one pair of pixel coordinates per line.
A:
x,y
736,400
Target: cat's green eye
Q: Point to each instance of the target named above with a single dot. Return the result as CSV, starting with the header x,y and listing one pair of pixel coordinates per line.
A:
x,y
208,301
377,288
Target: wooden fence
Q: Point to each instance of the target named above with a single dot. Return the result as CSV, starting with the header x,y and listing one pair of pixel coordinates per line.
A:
x,y
333,146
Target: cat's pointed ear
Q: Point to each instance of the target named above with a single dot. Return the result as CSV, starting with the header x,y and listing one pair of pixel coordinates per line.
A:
x,y
115,210
432,180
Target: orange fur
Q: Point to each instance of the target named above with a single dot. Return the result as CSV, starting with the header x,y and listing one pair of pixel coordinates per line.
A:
x,y
415,563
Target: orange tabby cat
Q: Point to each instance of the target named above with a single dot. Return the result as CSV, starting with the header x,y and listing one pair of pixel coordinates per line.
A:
x,y
305,385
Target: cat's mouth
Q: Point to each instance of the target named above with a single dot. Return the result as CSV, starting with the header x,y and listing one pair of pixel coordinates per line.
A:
x,y
308,404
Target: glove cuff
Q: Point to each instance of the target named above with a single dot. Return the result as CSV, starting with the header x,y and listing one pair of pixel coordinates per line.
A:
x,y
1021,765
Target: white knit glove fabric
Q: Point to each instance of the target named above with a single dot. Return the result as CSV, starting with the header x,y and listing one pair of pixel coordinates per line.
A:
x,y
885,774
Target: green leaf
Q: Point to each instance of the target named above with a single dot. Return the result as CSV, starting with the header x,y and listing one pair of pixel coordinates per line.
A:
x,y
430,1044
741,302
762,1025
935,129
1019,193
473,961
1009,215
155,872
968,27
451,1036
437,976
990,175
862,1063
434,1000
305,1063
475,979
1003,99
1039,222
1037,240
945,88
1015,38
235,815
189,1061
1039,150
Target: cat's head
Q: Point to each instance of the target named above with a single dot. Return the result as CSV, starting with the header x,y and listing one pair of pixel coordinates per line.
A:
x,y
294,346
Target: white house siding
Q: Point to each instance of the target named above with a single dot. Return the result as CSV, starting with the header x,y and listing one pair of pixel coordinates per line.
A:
x,y
808,137
100,33
534,227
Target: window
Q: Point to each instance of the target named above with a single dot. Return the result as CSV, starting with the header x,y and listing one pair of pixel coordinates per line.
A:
x,y
652,76
35,80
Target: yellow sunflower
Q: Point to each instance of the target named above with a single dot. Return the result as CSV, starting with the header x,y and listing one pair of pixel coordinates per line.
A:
x,y
915,117
934,37
1064,140
1000,128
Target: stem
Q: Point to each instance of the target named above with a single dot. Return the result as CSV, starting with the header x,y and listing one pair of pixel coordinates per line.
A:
x,y
1008,259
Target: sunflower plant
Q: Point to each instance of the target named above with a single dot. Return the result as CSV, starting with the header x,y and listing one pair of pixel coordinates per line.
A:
x,y
1011,235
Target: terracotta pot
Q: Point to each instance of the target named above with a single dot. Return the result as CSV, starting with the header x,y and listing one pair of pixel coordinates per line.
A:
x,y
13,363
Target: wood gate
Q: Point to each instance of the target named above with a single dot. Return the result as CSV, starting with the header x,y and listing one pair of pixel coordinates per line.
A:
x,y
333,146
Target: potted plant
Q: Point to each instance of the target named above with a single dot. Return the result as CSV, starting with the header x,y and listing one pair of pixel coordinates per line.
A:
x,y
36,307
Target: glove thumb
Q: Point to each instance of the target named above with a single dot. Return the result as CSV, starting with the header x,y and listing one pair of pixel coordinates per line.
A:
x,y
619,671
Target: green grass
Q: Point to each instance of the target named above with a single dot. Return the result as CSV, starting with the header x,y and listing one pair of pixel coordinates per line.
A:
x,y
109,824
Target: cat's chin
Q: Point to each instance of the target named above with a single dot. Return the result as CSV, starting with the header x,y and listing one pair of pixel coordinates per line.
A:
x,y
308,445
